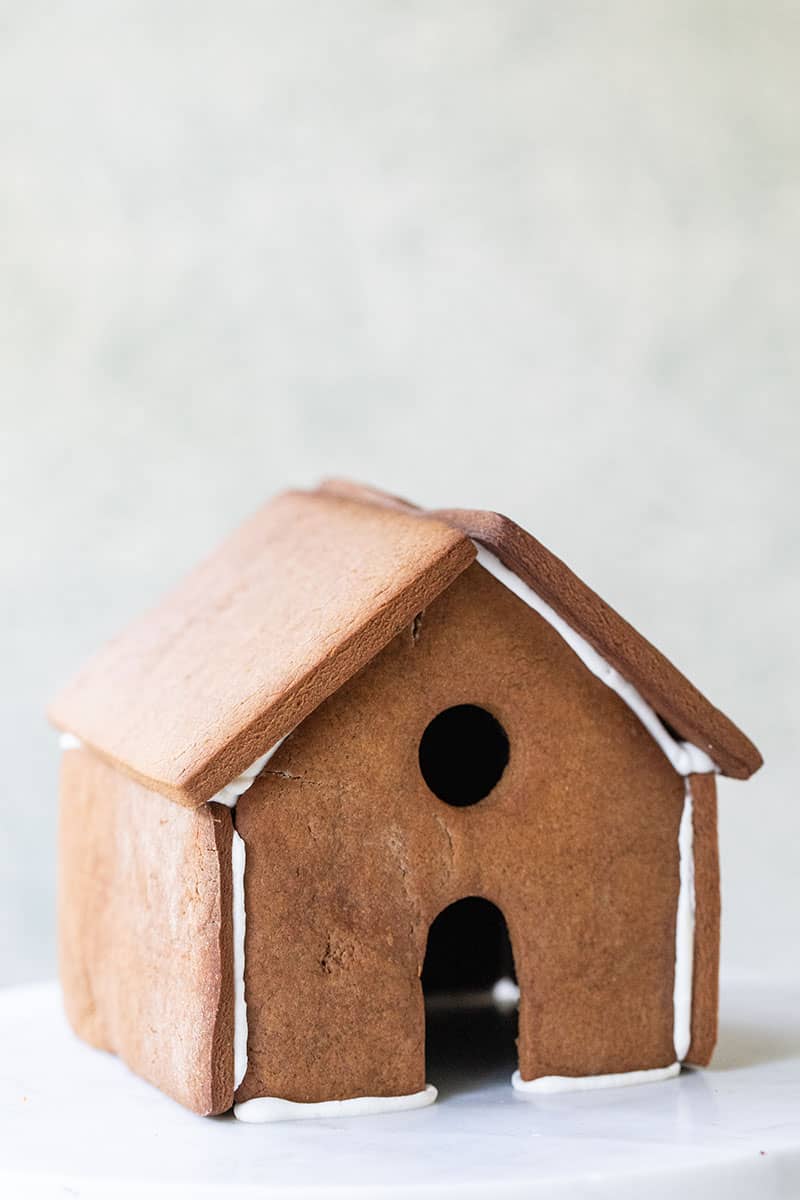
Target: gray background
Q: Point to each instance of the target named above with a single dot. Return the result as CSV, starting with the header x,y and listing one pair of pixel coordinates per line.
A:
x,y
540,257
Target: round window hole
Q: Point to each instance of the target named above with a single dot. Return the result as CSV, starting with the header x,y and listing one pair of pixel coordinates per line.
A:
x,y
462,754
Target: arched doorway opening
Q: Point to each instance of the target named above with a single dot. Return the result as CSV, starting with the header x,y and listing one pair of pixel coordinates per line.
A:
x,y
470,990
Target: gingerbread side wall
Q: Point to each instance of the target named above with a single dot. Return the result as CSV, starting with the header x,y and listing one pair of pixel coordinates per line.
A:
x,y
145,931
705,986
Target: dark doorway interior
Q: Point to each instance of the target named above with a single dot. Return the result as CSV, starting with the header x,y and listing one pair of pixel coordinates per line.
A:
x,y
468,949
469,984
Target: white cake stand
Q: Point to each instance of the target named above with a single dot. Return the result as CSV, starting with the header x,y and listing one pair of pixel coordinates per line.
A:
x,y
75,1122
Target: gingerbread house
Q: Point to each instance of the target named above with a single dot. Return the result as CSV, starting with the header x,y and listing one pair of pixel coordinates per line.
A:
x,y
350,717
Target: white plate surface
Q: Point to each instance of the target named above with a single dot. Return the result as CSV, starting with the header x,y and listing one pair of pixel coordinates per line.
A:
x,y
75,1122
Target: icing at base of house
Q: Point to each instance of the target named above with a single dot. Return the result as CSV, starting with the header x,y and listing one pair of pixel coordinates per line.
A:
x,y
272,1108
589,1083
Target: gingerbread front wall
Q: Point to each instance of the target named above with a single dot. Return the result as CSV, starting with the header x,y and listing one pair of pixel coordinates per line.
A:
x,y
350,857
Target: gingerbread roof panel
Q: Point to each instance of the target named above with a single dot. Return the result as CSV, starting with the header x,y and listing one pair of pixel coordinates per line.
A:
x,y
673,697
292,605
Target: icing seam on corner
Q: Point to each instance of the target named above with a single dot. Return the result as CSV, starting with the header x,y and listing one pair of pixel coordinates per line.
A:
x,y
238,786
239,918
684,932
229,796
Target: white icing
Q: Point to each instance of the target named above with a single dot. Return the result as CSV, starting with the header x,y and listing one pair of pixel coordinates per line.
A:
x,y
239,1003
229,795
684,934
589,1083
232,791
272,1108
68,741
685,758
